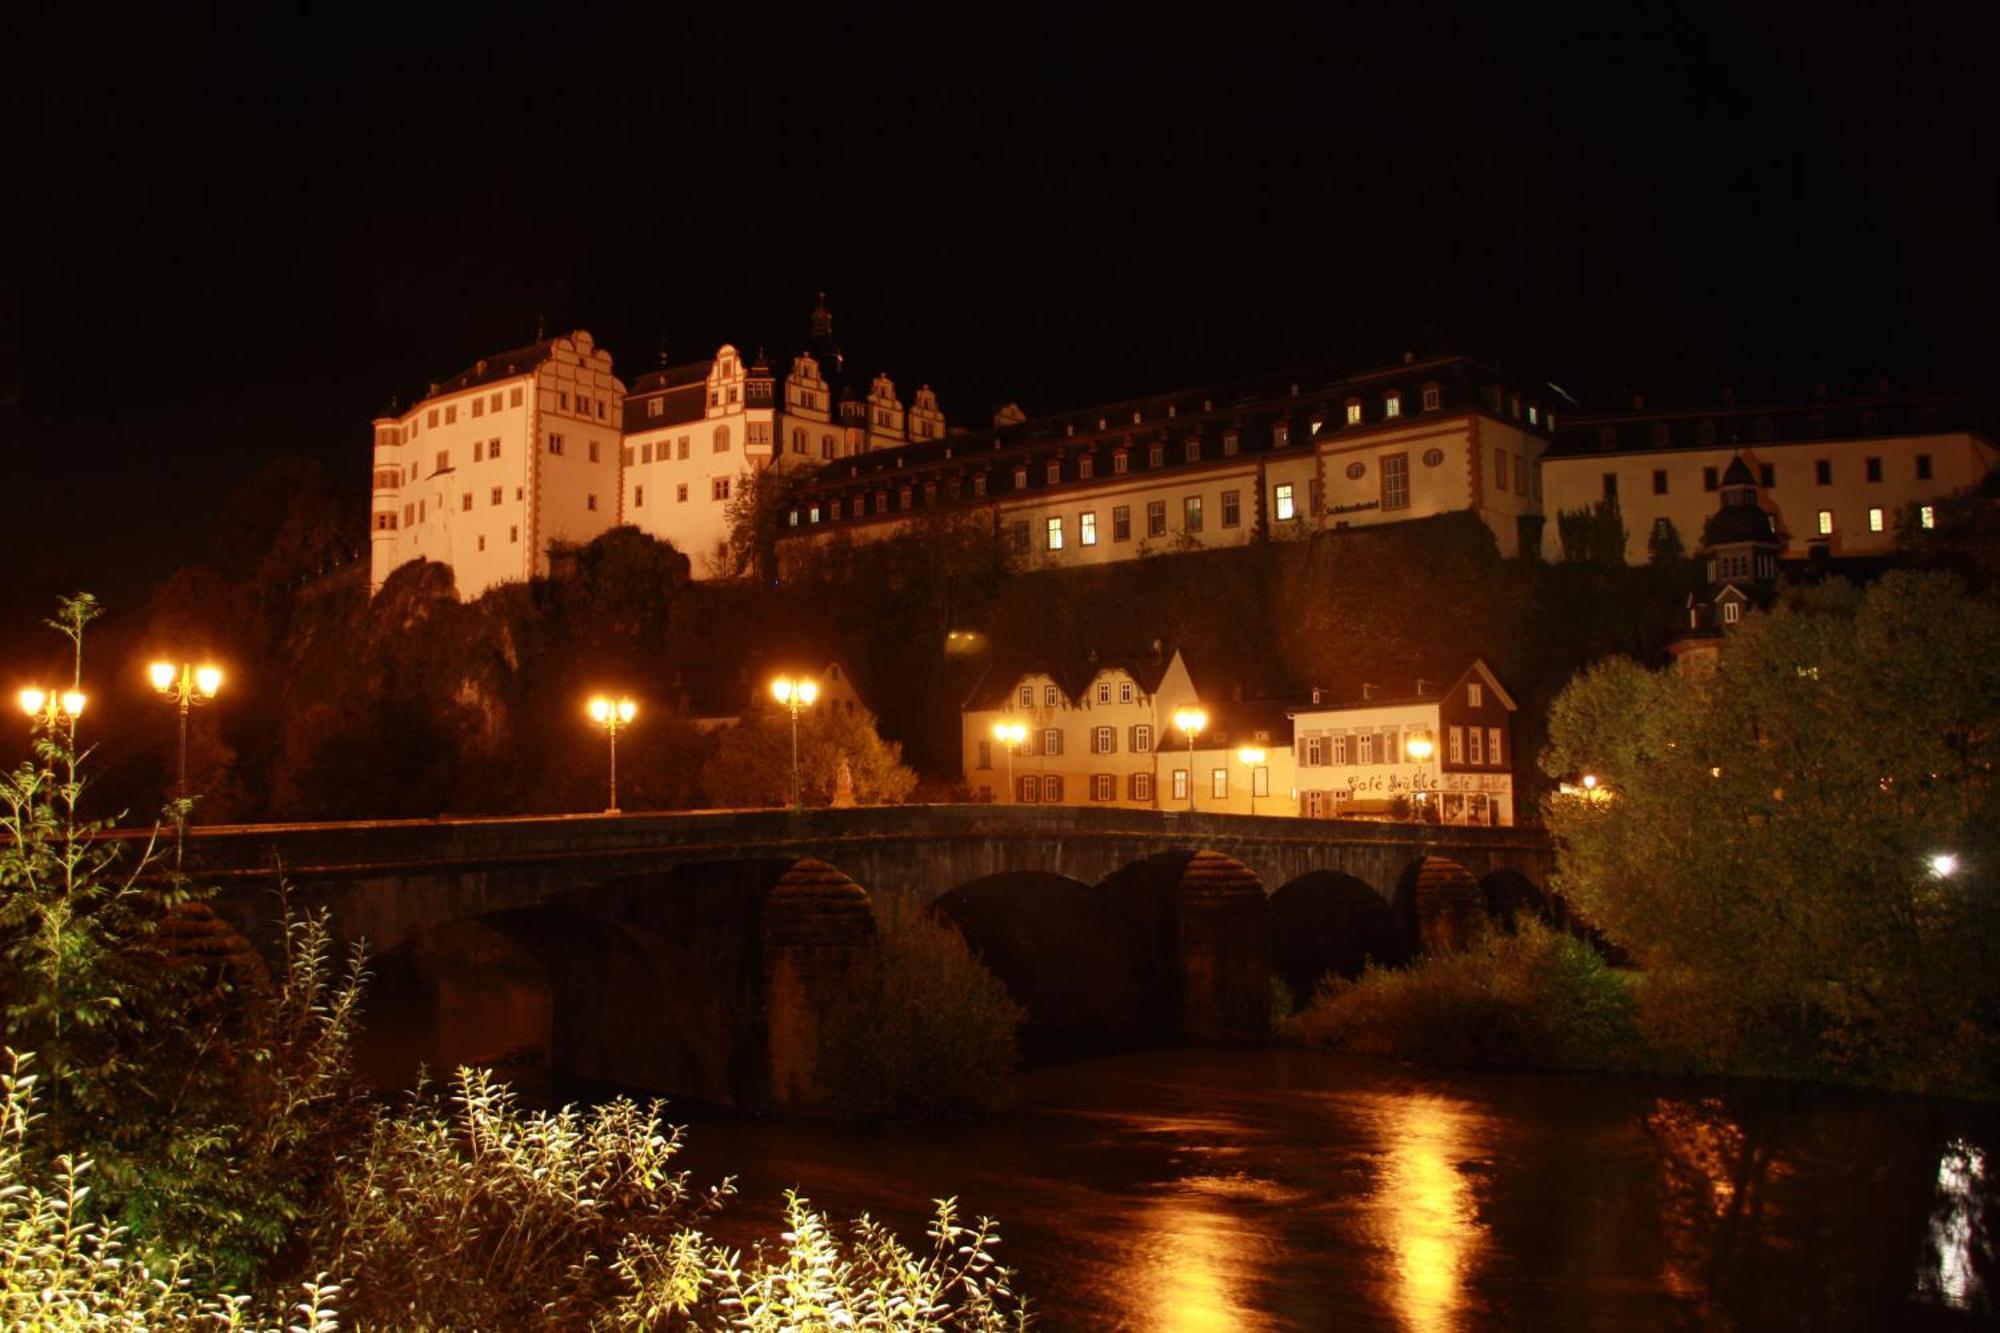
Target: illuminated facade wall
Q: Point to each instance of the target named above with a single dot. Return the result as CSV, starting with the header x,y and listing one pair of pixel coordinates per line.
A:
x,y
1111,741
1277,457
1354,757
515,452
1836,472
695,436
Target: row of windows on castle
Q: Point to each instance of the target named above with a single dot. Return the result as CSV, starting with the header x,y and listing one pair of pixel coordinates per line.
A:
x,y
1047,788
581,404
1191,452
1464,746
1765,429
1711,477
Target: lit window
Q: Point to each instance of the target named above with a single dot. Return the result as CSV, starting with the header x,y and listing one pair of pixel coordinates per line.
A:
x,y
1282,502
1455,746
1731,613
1927,516
1392,404
1875,520
1534,414
1180,784
1475,695
1281,434
1191,513
1354,411
1826,522
1396,481
1055,526
1027,696
1156,518
1087,529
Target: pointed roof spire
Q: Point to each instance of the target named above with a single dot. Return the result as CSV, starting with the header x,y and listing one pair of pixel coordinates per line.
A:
x,y
823,345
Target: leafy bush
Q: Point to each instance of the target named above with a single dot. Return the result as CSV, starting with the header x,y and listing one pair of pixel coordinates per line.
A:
x,y
61,1270
935,1038
1536,997
812,1282
467,1212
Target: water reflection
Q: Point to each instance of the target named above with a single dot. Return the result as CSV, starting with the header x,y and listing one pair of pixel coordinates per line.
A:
x,y
1425,1208
1198,1239
1959,1243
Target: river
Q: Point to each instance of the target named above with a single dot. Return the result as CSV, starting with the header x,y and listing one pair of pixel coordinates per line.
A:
x,y
1281,1189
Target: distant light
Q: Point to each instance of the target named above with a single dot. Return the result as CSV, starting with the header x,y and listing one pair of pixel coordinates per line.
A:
x,y
1190,720
1590,782
600,709
162,675
1420,748
208,680
1251,755
32,701
1944,865
72,702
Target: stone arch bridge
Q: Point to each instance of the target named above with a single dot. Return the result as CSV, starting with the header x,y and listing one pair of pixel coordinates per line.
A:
x,y
698,953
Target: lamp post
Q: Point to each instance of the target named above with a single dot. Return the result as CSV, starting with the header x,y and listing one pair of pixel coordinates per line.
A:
x,y
611,715
1190,722
794,695
1420,750
1010,734
184,686
1251,757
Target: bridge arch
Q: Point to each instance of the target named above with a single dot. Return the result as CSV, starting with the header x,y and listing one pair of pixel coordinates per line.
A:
x,y
1325,923
1441,905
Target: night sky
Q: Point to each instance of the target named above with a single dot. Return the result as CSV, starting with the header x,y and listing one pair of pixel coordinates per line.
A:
x,y
241,238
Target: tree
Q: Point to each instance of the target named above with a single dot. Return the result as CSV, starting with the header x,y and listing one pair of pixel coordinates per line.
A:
x,y
757,512
752,764
1593,536
1766,848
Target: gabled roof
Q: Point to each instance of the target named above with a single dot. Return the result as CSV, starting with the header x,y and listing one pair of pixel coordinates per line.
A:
x,y
997,684
499,366
1379,684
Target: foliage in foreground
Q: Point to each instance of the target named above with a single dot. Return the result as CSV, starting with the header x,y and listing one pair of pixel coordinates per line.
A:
x,y
1766,846
469,1212
61,1269
1535,998
935,1038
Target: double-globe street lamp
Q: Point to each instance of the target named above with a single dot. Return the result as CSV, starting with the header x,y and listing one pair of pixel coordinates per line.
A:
x,y
611,714
184,686
1011,734
51,706
795,695
1191,722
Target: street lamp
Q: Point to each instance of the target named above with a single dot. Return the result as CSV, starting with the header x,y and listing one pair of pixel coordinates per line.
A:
x,y
1944,865
1251,757
1190,721
794,695
184,686
611,715
1010,734
51,707
1420,749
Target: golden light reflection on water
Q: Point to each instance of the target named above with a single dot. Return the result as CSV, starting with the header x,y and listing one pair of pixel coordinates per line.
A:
x,y
1196,1250
1426,1209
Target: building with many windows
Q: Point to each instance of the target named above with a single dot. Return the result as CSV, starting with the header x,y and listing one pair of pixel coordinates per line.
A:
x,y
1836,473
1433,744
516,451
1101,732
696,434
1277,456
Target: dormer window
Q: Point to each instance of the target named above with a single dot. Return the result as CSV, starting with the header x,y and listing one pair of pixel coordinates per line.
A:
x,y
1020,479
1433,397
1229,444
1514,406
1354,411
1156,456
1281,434
1534,414
1392,404
1194,450
1054,472
1119,462
1086,467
